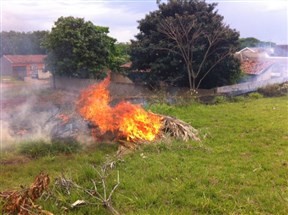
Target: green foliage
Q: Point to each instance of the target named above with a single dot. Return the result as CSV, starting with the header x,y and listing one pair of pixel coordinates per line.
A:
x,y
21,43
182,59
238,98
36,149
78,48
120,55
248,42
255,95
227,72
219,100
253,42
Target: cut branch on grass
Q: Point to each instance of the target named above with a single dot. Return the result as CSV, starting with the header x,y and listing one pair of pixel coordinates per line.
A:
x,y
104,198
23,202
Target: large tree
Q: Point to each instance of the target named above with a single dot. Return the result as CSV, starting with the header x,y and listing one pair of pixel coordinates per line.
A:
x,y
185,41
78,48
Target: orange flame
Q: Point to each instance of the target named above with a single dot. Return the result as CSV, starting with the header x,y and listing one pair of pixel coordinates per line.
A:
x,y
125,119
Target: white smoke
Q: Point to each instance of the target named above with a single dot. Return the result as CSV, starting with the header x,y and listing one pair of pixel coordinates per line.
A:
x,y
27,115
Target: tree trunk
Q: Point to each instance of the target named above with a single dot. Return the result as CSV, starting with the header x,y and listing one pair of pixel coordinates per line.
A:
x,y
54,81
190,79
194,84
190,75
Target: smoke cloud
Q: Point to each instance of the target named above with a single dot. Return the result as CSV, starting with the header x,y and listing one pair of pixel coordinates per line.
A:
x,y
35,112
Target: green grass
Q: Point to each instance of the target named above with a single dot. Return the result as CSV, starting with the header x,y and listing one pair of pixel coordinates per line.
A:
x,y
40,148
239,167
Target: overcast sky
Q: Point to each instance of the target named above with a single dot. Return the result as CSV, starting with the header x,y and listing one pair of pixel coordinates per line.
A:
x,y
266,20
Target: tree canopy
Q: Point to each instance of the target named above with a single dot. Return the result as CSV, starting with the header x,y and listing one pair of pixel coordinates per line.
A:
x,y
22,43
254,42
186,42
120,55
78,48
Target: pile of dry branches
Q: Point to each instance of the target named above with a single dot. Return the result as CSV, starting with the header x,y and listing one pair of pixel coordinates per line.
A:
x,y
170,126
178,128
23,202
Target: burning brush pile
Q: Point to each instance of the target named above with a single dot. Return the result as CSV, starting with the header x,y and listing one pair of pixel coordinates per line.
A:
x,y
127,123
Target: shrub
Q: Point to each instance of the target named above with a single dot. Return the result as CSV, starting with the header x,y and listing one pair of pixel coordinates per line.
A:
x,y
65,146
255,95
238,99
274,90
219,100
34,149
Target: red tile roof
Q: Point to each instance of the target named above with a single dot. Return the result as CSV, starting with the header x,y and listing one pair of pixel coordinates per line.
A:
x,y
25,58
255,67
128,65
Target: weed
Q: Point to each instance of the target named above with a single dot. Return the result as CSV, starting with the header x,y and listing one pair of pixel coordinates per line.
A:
x,y
238,98
255,95
219,100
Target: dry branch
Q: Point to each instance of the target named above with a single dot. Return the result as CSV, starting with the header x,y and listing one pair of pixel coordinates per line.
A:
x,y
179,129
23,202
105,198
172,126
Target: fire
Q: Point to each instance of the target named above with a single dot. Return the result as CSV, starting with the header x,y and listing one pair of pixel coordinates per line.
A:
x,y
63,117
126,120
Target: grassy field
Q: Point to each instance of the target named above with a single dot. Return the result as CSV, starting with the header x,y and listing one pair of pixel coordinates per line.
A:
x,y
239,167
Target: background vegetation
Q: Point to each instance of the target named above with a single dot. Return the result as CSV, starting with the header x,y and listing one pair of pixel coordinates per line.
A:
x,y
22,43
186,43
183,43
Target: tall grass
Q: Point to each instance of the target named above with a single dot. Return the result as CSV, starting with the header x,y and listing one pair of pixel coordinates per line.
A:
x,y
40,148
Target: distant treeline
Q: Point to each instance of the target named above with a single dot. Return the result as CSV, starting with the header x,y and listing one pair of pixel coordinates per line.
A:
x,y
22,43
254,42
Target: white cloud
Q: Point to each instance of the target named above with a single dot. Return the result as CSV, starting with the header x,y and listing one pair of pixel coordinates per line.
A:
x,y
120,16
123,33
263,19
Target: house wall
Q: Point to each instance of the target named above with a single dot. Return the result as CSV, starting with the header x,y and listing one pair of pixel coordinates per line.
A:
x,y
277,70
44,75
6,67
118,78
19,72
135,93
34,67
118,90
281,50
22,68
246,87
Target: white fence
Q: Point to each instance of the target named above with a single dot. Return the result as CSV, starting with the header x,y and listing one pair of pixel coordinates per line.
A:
x,y
249,86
